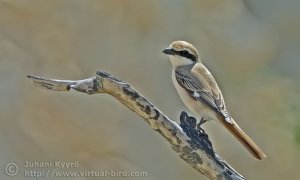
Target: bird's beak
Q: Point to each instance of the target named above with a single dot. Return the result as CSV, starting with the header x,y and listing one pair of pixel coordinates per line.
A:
x,y
169,51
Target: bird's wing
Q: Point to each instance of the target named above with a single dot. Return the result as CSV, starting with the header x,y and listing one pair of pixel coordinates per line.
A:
x,y
201,85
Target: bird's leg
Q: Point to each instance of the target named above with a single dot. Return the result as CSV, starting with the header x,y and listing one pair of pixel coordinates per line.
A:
x,y
202,121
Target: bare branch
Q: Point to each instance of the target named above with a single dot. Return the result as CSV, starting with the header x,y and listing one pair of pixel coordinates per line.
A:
x,y
187,139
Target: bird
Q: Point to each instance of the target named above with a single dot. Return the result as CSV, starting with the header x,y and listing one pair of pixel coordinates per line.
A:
x,y
201,94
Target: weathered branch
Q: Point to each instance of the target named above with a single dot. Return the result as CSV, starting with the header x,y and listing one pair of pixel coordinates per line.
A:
x,y
187,139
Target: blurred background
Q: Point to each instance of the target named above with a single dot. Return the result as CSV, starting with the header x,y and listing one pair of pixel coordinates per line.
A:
x,y
251,47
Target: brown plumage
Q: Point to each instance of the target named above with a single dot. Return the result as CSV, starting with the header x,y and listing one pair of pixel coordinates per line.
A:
x,y
201,94
243,138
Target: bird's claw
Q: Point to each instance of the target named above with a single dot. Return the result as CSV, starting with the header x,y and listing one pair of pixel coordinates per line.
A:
x,y
202,121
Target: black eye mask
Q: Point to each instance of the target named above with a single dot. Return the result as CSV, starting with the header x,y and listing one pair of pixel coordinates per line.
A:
x,y
187,55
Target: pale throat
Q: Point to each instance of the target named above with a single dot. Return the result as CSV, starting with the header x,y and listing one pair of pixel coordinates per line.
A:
x,y
180,61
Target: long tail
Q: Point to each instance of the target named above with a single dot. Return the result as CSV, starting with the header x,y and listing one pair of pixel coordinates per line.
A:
x,y
244,139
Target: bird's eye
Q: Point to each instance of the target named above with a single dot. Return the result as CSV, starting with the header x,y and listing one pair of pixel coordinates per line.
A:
x,y
187,55
184,53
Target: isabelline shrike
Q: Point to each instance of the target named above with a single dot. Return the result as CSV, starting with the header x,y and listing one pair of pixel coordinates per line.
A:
x,y
200,92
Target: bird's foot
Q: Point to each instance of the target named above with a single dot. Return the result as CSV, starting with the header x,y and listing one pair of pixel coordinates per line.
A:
x,y
202,121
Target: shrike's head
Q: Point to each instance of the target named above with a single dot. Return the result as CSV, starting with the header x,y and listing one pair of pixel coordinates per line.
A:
x,y
182,53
